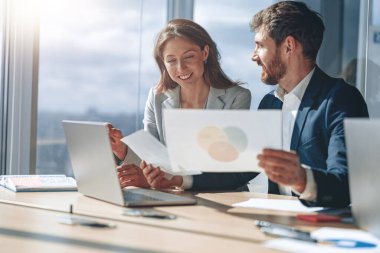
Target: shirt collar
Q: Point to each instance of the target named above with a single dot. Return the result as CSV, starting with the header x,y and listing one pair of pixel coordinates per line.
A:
x,y
298,90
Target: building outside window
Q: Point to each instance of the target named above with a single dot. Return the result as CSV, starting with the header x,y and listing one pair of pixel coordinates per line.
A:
x,y
96,63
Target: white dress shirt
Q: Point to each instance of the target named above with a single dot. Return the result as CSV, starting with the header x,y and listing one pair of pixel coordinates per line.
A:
x,y
291,102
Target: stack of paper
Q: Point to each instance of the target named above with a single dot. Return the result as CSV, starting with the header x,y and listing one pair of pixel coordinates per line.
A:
x,y
24,183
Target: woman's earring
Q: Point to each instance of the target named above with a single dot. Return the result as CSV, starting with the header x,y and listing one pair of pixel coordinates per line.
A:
x,y
205,61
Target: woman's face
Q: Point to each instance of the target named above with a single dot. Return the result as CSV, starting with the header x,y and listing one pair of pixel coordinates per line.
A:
x,y
184,61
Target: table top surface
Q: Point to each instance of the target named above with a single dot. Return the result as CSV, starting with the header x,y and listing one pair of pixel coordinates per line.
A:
x,y
213,220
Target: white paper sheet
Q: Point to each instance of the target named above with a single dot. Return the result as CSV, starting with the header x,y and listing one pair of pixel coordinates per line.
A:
x,y
278,204
220,140
325,234
149,149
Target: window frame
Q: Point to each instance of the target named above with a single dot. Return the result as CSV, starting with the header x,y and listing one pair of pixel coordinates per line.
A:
x,y
20,87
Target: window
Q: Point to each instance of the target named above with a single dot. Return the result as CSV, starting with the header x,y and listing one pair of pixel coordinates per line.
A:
x,y
372,83
96,63
2,92
228,25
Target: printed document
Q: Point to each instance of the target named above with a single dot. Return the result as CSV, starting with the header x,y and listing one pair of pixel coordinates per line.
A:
x,y
210,140
278,204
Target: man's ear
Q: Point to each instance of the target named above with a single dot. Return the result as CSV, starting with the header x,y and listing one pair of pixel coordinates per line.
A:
x,y
290,44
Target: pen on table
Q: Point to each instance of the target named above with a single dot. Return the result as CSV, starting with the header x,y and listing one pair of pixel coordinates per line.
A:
x,y
149,214
71,220
284,231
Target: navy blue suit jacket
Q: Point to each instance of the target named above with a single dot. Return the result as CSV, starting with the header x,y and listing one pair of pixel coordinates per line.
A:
x,y
318,139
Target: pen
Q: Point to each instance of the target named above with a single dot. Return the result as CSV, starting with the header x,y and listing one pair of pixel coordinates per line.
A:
x,y
95,224
85,222
284,231
149,213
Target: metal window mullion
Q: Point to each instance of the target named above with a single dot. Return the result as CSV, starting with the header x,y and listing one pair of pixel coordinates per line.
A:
x,y
22,90
361,70
3,90
180,9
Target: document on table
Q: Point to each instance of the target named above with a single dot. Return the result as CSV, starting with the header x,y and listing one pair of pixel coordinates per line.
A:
x,y
209,140
278,204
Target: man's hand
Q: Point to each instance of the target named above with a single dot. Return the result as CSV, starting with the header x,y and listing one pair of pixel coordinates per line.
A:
x,y
156,177
118,147
284,168
131,175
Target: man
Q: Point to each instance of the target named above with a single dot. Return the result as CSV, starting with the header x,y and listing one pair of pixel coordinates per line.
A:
x,y
288,37
312,164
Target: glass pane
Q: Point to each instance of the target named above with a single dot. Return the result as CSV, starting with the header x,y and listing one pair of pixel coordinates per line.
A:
x,y
372,91
2,16
96,63
228,25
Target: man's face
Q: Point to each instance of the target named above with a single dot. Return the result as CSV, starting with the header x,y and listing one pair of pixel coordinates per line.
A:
x,y
268,56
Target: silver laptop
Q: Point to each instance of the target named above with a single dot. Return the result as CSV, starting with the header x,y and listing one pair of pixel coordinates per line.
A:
x,y
94,168
363,143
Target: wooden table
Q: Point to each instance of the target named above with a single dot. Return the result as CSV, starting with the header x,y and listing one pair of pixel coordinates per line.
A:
x,y
31,220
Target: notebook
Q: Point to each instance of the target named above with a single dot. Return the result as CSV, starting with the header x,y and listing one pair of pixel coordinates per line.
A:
x,y
30,183
363,142
94,168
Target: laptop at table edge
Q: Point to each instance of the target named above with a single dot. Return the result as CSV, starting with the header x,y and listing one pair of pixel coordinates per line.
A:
x,y
362,137
94,166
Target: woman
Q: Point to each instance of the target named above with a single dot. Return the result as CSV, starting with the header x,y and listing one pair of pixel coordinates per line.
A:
x,y
191,77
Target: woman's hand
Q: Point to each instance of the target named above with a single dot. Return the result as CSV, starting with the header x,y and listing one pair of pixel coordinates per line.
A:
x,y
131,175
118,147
156,177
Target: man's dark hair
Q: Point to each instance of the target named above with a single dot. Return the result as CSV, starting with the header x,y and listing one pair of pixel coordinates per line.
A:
x,y
289,18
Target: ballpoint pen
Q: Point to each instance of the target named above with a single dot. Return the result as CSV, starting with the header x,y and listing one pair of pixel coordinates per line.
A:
x,y
85,222
72,220
284,231
149,213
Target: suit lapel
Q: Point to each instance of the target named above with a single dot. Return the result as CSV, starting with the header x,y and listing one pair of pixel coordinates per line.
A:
x,y
307,102
215,98
172,98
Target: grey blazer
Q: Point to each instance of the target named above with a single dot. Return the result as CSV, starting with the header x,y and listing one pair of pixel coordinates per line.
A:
x,y
235,97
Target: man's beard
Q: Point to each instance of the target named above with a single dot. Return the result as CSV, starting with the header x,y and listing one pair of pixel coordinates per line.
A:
x,y
275,71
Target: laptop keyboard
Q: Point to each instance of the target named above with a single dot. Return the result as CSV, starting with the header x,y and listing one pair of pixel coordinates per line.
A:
x,y
130,196
139,196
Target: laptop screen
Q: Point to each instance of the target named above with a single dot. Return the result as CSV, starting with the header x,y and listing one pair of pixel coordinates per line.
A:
x,y
92,160
363,142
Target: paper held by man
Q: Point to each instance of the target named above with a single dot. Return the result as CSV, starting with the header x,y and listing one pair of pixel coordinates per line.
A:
x,y
209,140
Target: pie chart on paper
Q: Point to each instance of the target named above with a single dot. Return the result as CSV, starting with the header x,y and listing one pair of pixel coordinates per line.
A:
x,y
222,144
